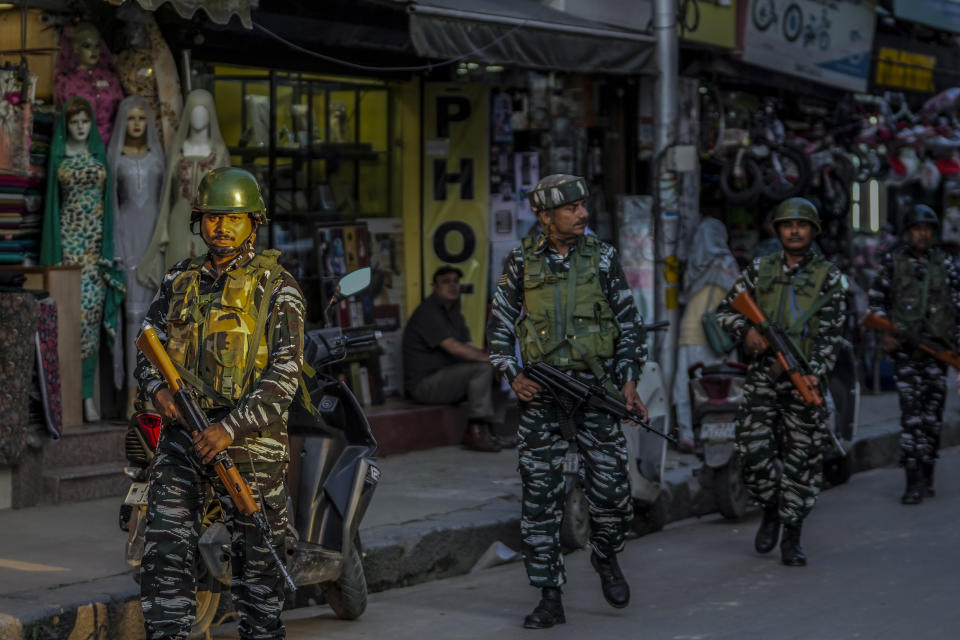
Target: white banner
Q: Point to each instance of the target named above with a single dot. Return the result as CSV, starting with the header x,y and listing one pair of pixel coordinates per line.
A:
x,y
827,41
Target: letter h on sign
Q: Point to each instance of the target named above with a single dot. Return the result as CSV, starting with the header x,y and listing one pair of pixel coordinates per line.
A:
x,y
441,178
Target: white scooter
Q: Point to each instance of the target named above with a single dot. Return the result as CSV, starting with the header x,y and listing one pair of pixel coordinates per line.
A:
x,y
648,454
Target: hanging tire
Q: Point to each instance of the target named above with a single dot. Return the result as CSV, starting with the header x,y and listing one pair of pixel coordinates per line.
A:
x,y
575,527
347,595
741,189
792,176
732,498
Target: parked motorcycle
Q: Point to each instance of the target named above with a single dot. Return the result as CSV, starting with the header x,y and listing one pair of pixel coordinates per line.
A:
x,y
331,478
716,391
647,456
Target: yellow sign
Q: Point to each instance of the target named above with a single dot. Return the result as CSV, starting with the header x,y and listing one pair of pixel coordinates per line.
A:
x,y
708,22
905,69
455,161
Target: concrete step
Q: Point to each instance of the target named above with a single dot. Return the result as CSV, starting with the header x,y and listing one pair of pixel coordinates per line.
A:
x,y
401,427
84,482
85,444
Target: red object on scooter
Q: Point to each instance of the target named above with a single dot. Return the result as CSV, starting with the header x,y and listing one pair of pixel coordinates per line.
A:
x,y
151,425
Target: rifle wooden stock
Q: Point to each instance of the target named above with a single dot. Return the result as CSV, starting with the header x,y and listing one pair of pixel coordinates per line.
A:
x,y
223,465
782,348
879,323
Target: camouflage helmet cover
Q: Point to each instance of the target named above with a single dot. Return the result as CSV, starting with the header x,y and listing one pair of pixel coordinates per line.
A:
x,y
797,209
229,190
921,214
557,190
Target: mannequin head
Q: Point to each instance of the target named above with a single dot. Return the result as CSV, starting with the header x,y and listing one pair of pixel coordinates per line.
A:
x,y
199,118
79,119
135,35
136,125
85,44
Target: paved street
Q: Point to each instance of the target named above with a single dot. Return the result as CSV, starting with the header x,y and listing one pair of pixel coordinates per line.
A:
x,y
877,570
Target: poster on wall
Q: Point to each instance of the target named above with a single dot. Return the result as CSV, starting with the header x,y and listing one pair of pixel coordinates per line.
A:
x,y
526,176
455,191
636,224
827,41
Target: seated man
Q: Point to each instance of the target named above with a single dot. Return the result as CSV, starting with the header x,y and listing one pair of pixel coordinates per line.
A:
x,y
440,366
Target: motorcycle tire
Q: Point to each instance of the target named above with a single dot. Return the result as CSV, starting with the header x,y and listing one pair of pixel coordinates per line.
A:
x,y
732,497
347,595
745,189
208,601
836,471
792,178
575,527
650,518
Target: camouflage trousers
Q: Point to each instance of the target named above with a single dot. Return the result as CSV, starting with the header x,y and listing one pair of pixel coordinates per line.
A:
x,y
177,499
603,476
922,390
780,443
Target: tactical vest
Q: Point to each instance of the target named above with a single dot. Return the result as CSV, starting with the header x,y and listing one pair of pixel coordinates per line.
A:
x,y
217,340
567,320
913,299
793,302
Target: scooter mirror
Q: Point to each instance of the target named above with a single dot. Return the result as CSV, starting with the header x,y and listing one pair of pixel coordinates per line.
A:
x,y
353,283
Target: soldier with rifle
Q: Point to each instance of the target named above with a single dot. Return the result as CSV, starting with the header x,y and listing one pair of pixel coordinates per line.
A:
x,y
564,296
232,323
792,332
918,289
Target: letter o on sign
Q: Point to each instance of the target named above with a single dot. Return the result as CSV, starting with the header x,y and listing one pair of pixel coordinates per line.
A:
x,y
440,241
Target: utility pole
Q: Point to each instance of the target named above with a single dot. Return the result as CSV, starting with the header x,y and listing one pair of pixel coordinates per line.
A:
x,y
666,185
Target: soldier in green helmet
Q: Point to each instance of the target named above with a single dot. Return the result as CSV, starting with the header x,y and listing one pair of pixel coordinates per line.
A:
x,y
232,322
779,438
563,296
918,288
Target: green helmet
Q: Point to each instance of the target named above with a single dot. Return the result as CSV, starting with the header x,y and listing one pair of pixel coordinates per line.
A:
x,y
557,190
921,214
229,190
797,209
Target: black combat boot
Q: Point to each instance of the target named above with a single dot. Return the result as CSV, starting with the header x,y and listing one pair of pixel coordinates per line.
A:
x,y
928,479
768,535
614,585
548,613
913,493
790,552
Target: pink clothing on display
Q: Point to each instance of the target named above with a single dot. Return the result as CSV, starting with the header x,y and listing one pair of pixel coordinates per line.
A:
x,y
100,85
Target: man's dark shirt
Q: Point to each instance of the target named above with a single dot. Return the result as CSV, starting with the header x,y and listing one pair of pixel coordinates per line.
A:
x,y
430,325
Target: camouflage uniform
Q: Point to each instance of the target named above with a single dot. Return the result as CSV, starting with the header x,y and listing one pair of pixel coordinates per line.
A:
x,y
179,482
602,448
772,423
920,377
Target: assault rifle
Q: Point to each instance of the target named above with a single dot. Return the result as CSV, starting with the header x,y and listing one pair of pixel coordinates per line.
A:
x,y
196,421
941,353
784,349
571,394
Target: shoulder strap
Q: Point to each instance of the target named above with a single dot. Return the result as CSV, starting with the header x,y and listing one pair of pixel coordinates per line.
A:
x,y
816,306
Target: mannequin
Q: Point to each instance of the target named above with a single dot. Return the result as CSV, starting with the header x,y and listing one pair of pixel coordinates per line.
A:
x,y
78,230
146,68
198,148
85,69
136,162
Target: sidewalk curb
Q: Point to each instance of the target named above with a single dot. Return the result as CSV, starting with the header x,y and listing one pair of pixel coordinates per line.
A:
x,y
440,546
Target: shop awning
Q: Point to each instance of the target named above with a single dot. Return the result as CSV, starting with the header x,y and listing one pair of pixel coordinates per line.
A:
x,y
220,11
525,33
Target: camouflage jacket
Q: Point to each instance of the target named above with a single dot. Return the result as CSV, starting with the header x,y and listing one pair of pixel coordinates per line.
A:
x,y
830,317
631,350
260,417
881,296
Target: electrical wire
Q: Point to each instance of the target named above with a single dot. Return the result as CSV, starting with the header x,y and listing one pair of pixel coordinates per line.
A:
x,y
364,67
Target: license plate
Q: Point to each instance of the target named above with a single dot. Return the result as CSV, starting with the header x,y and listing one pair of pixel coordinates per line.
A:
x,y
718,430
137,494
571,463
